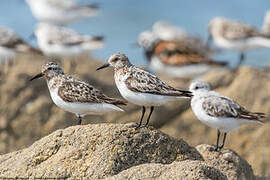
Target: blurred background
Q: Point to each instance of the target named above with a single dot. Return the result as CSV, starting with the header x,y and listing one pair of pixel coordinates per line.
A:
x,y
121,21
28,113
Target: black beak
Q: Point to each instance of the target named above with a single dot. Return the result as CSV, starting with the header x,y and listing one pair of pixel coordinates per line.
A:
x,y
37,76
103,66
209,40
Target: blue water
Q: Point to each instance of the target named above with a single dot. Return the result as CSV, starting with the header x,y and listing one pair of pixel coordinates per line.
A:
x,y
121,21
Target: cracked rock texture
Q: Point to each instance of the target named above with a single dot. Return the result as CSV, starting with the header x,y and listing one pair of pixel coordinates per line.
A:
x,y
28,113
119,151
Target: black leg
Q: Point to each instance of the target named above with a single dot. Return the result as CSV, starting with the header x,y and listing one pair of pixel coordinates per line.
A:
x,y
241,59
140,123
223,142
80,120
218,135
148,119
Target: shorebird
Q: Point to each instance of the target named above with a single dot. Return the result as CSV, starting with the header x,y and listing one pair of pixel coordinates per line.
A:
x,y
61,12
266,23
141,87
11,44
74,95
168,32
176,58
235,35
60,41
218,111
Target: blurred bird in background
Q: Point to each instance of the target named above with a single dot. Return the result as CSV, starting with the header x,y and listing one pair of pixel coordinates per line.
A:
x,y
266,23
235,35
61,12
175,53
11,44
60,41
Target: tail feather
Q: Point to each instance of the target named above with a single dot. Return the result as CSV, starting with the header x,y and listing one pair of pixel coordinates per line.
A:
x,y
256,116
183,93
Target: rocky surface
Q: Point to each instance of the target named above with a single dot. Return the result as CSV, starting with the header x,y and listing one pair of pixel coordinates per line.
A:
x,y
120,151
28,114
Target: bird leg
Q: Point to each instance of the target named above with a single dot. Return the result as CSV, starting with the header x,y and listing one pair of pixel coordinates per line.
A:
x,y
80,120
223,142
218,135
143,112
241,59
148,119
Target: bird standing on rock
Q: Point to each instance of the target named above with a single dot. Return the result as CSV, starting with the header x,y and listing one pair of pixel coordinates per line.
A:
x,y
141,87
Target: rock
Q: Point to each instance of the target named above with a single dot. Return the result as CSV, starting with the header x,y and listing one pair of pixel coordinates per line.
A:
x,y
229,163
95,151
120,151
28,114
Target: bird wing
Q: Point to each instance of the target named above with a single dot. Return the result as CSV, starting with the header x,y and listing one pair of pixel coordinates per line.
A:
x,y
221,106
180,54
142,81
73,90
67,37
237,30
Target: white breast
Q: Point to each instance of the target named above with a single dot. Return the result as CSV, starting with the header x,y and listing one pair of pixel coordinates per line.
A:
x,y
82,108
142,99
223,124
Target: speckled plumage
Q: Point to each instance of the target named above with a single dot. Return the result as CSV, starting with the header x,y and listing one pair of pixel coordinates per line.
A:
x,y
218,111
74,95
74,90
141,81
234,30
220,106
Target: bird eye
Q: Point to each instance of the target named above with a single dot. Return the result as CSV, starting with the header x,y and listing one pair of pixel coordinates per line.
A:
x,y
196,87
50,68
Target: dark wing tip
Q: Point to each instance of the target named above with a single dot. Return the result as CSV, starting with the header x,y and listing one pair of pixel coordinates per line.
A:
x,y
93,6
98,38
187,93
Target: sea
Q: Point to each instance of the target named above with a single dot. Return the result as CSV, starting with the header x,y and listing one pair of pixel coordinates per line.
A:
x,y
121,21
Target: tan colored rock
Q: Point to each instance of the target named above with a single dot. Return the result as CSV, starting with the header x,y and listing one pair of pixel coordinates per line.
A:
x,y
28,114
227,161
95,151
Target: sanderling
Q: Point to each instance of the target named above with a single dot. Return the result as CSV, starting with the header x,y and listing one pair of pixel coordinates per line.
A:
x,y
11,44
218,111
60,41
177,59
74,95
168,32
60,12
235,35
140,87
266,23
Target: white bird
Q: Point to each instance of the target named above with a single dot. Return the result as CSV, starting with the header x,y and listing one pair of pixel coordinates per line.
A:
x,y
11,44
168,32
179,58
140,87
218,111
266,23
74,95
60,12
60,41
237,36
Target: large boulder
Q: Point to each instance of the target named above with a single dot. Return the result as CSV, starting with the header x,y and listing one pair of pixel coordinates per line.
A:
x,y
120,151
28,113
